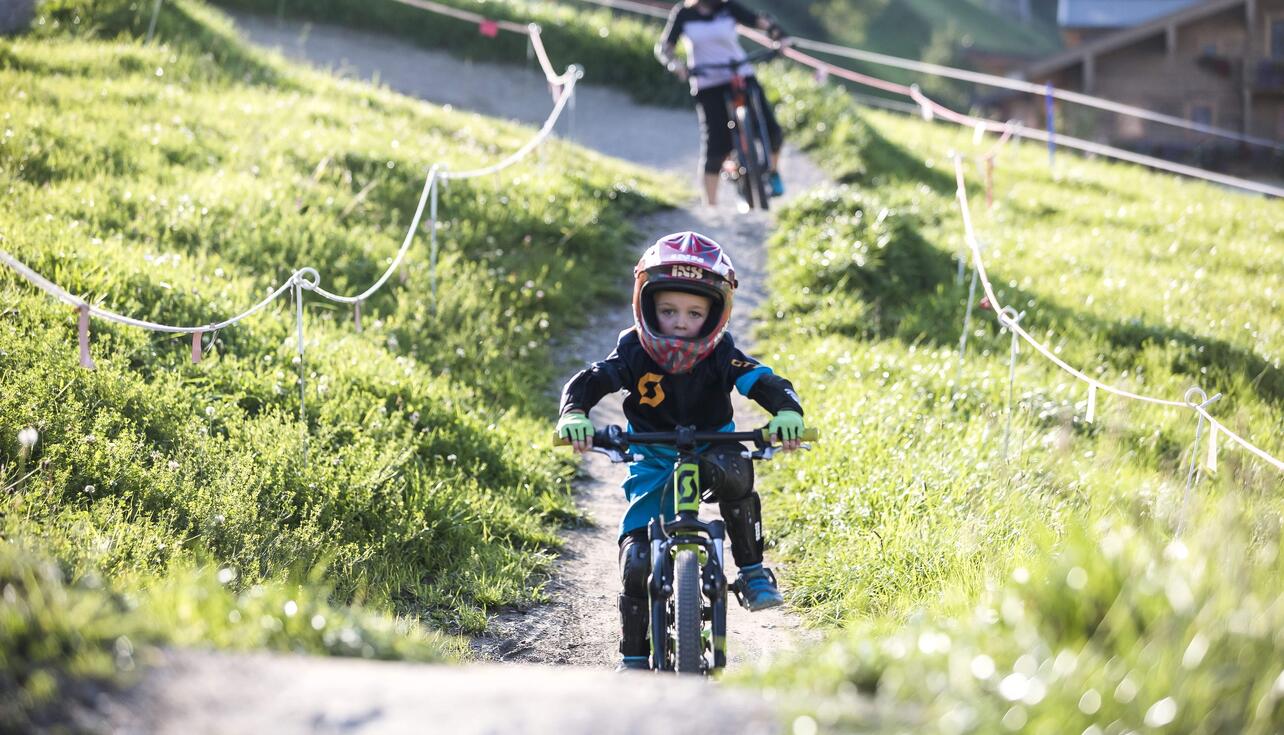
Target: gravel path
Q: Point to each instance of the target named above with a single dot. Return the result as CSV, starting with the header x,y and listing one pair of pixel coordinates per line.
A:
x,y
579,627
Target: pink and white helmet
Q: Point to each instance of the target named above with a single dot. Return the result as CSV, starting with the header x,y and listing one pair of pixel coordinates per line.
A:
x,y
690,262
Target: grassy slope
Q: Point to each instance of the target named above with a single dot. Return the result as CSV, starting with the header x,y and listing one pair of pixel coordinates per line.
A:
x,y
612,50
907,28
908,513
176,183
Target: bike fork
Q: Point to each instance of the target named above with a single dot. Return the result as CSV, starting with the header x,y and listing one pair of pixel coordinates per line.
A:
x,y
715,588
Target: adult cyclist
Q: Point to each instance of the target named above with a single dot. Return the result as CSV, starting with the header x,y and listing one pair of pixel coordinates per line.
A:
x,y
708,31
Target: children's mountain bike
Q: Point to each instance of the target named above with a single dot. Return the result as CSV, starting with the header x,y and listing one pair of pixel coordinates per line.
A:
x,y
751,145
688,587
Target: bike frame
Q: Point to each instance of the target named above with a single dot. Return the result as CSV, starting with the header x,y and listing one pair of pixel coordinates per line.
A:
x,y
744,103
745,111
686,531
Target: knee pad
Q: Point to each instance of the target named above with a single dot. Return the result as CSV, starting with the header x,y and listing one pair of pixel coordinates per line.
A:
x,y
635,564
725,475
744,528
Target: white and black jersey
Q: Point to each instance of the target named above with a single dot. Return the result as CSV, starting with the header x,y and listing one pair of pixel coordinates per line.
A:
x,y
710,39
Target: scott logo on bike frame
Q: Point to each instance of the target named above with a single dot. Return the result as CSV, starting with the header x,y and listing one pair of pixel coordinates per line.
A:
x,y
686,478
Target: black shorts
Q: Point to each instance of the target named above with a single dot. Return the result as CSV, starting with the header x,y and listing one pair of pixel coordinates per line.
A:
x,y
715,136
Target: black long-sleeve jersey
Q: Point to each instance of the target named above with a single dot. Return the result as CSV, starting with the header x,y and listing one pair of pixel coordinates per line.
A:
x,y
659,401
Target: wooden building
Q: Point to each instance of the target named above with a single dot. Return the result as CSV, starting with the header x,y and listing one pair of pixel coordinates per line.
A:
x,y
1218,62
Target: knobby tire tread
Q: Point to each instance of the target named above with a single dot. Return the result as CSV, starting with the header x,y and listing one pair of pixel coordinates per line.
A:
x,y
687,601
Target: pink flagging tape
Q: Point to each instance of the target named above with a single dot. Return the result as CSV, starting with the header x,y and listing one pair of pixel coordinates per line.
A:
x,y
488,28
86,361
197,352
463,15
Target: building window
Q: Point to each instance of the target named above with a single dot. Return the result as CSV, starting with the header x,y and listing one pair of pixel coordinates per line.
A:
x,y
1200,113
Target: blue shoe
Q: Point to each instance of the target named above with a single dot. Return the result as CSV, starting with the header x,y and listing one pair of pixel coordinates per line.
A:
x,y
755,587
777,186
634,663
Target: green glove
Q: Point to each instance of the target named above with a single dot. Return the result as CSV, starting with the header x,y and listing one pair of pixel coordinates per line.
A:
x,y
575,426
786,425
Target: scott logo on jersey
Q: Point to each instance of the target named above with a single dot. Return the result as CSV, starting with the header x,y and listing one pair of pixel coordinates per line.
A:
x,y
649,391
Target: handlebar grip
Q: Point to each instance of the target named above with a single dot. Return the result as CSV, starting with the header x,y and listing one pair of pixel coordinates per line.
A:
x,y
808,434
561,441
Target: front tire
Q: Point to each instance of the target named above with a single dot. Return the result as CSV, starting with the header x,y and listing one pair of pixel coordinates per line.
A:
x,y
687,603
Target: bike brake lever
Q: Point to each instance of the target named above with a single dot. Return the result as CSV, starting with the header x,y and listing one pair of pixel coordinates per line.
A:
x,y
766,453
617,456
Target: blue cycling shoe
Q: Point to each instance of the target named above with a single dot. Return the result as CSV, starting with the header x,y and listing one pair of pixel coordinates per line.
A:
x,y
755,587
777,185
634,663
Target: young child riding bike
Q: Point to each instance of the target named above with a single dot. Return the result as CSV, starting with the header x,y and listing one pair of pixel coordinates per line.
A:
x,y
678,365
708,29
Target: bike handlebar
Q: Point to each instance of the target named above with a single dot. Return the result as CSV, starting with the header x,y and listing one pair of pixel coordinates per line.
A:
x,y
615,437
750,59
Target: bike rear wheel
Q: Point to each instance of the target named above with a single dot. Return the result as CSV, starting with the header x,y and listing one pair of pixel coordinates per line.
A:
x,y
688,603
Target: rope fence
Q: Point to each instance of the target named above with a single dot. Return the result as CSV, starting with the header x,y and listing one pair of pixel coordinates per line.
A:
x,y
308,279
932,109
988,80
1195,399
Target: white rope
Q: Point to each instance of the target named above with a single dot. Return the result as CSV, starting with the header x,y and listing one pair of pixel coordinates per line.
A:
x,y
537,43
429,183
1220,427
989,80
940,110
572,76
308,279
1040,90
1093,383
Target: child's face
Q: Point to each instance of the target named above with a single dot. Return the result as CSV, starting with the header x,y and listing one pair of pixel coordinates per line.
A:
x,y
680,314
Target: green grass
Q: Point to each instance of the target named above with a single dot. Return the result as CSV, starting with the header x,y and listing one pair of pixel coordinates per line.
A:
x,y
614,50
177,182
907,511
909,28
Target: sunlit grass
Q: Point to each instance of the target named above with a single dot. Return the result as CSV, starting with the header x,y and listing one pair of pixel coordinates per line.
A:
x,y
179,182
909,510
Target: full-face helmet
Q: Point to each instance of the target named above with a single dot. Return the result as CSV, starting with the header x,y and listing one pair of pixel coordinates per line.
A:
x,y
692,263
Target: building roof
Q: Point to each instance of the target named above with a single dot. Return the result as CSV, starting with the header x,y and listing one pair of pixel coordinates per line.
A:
x,y
1114,13
1128,36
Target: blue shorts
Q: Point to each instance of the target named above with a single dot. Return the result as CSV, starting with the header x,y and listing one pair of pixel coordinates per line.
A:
x,y
647,480
646,485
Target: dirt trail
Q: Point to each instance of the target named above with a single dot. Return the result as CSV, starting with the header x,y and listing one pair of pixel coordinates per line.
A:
x,y
579,626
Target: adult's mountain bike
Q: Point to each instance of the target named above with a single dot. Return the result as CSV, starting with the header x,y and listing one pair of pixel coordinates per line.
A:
x,y
750,166
688,585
